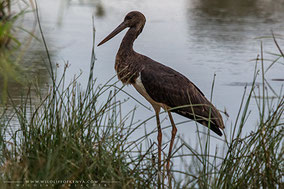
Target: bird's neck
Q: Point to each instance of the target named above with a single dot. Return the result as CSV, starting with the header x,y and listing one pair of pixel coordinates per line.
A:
x,y
128,40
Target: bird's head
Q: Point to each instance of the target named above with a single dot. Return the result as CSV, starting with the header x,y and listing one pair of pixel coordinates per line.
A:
x,y
133,19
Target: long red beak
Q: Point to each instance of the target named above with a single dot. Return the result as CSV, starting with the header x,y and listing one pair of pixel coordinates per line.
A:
x,y
119,28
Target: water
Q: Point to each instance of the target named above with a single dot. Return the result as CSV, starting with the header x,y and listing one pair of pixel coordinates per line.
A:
x,y
198,38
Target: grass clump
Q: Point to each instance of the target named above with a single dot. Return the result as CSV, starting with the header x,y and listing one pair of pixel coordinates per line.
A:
x,y
71,138
251,161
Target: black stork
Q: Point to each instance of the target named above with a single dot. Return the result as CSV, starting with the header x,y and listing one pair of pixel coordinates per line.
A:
x,y
162,86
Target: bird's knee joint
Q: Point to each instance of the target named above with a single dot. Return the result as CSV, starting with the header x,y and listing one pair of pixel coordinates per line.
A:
x,y
174,130
159,137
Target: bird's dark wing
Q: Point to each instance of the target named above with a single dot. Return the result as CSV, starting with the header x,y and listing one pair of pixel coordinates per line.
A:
x,y
167,86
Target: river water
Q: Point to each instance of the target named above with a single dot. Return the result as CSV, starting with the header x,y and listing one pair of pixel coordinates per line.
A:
x,y
198,38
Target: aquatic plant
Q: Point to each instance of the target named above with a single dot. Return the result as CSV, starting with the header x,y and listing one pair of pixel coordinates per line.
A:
x,y
253,160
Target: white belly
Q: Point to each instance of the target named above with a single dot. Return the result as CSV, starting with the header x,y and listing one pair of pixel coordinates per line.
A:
x,y
141,89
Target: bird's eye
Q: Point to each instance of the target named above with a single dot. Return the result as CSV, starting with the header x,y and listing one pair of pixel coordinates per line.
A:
x,y
128,18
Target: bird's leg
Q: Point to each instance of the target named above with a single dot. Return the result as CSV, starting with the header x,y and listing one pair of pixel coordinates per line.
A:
x,y
174,130
159,147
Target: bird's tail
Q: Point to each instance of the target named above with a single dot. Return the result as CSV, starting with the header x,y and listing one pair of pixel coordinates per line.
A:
x,y
206,115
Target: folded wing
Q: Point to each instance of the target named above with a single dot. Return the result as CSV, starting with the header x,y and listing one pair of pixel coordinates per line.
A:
x,y
167,86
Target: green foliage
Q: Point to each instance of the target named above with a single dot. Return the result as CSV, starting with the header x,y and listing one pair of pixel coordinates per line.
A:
x,y
7,20
69,135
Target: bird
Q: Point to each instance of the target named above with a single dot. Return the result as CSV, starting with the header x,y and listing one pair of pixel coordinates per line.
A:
x,y
162,86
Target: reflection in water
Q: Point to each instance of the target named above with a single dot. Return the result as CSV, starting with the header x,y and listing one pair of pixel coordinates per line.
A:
x,y
228,29
230,20
33,67
97,5
30,72
222,38
26,66
100,11
226,9
243,84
